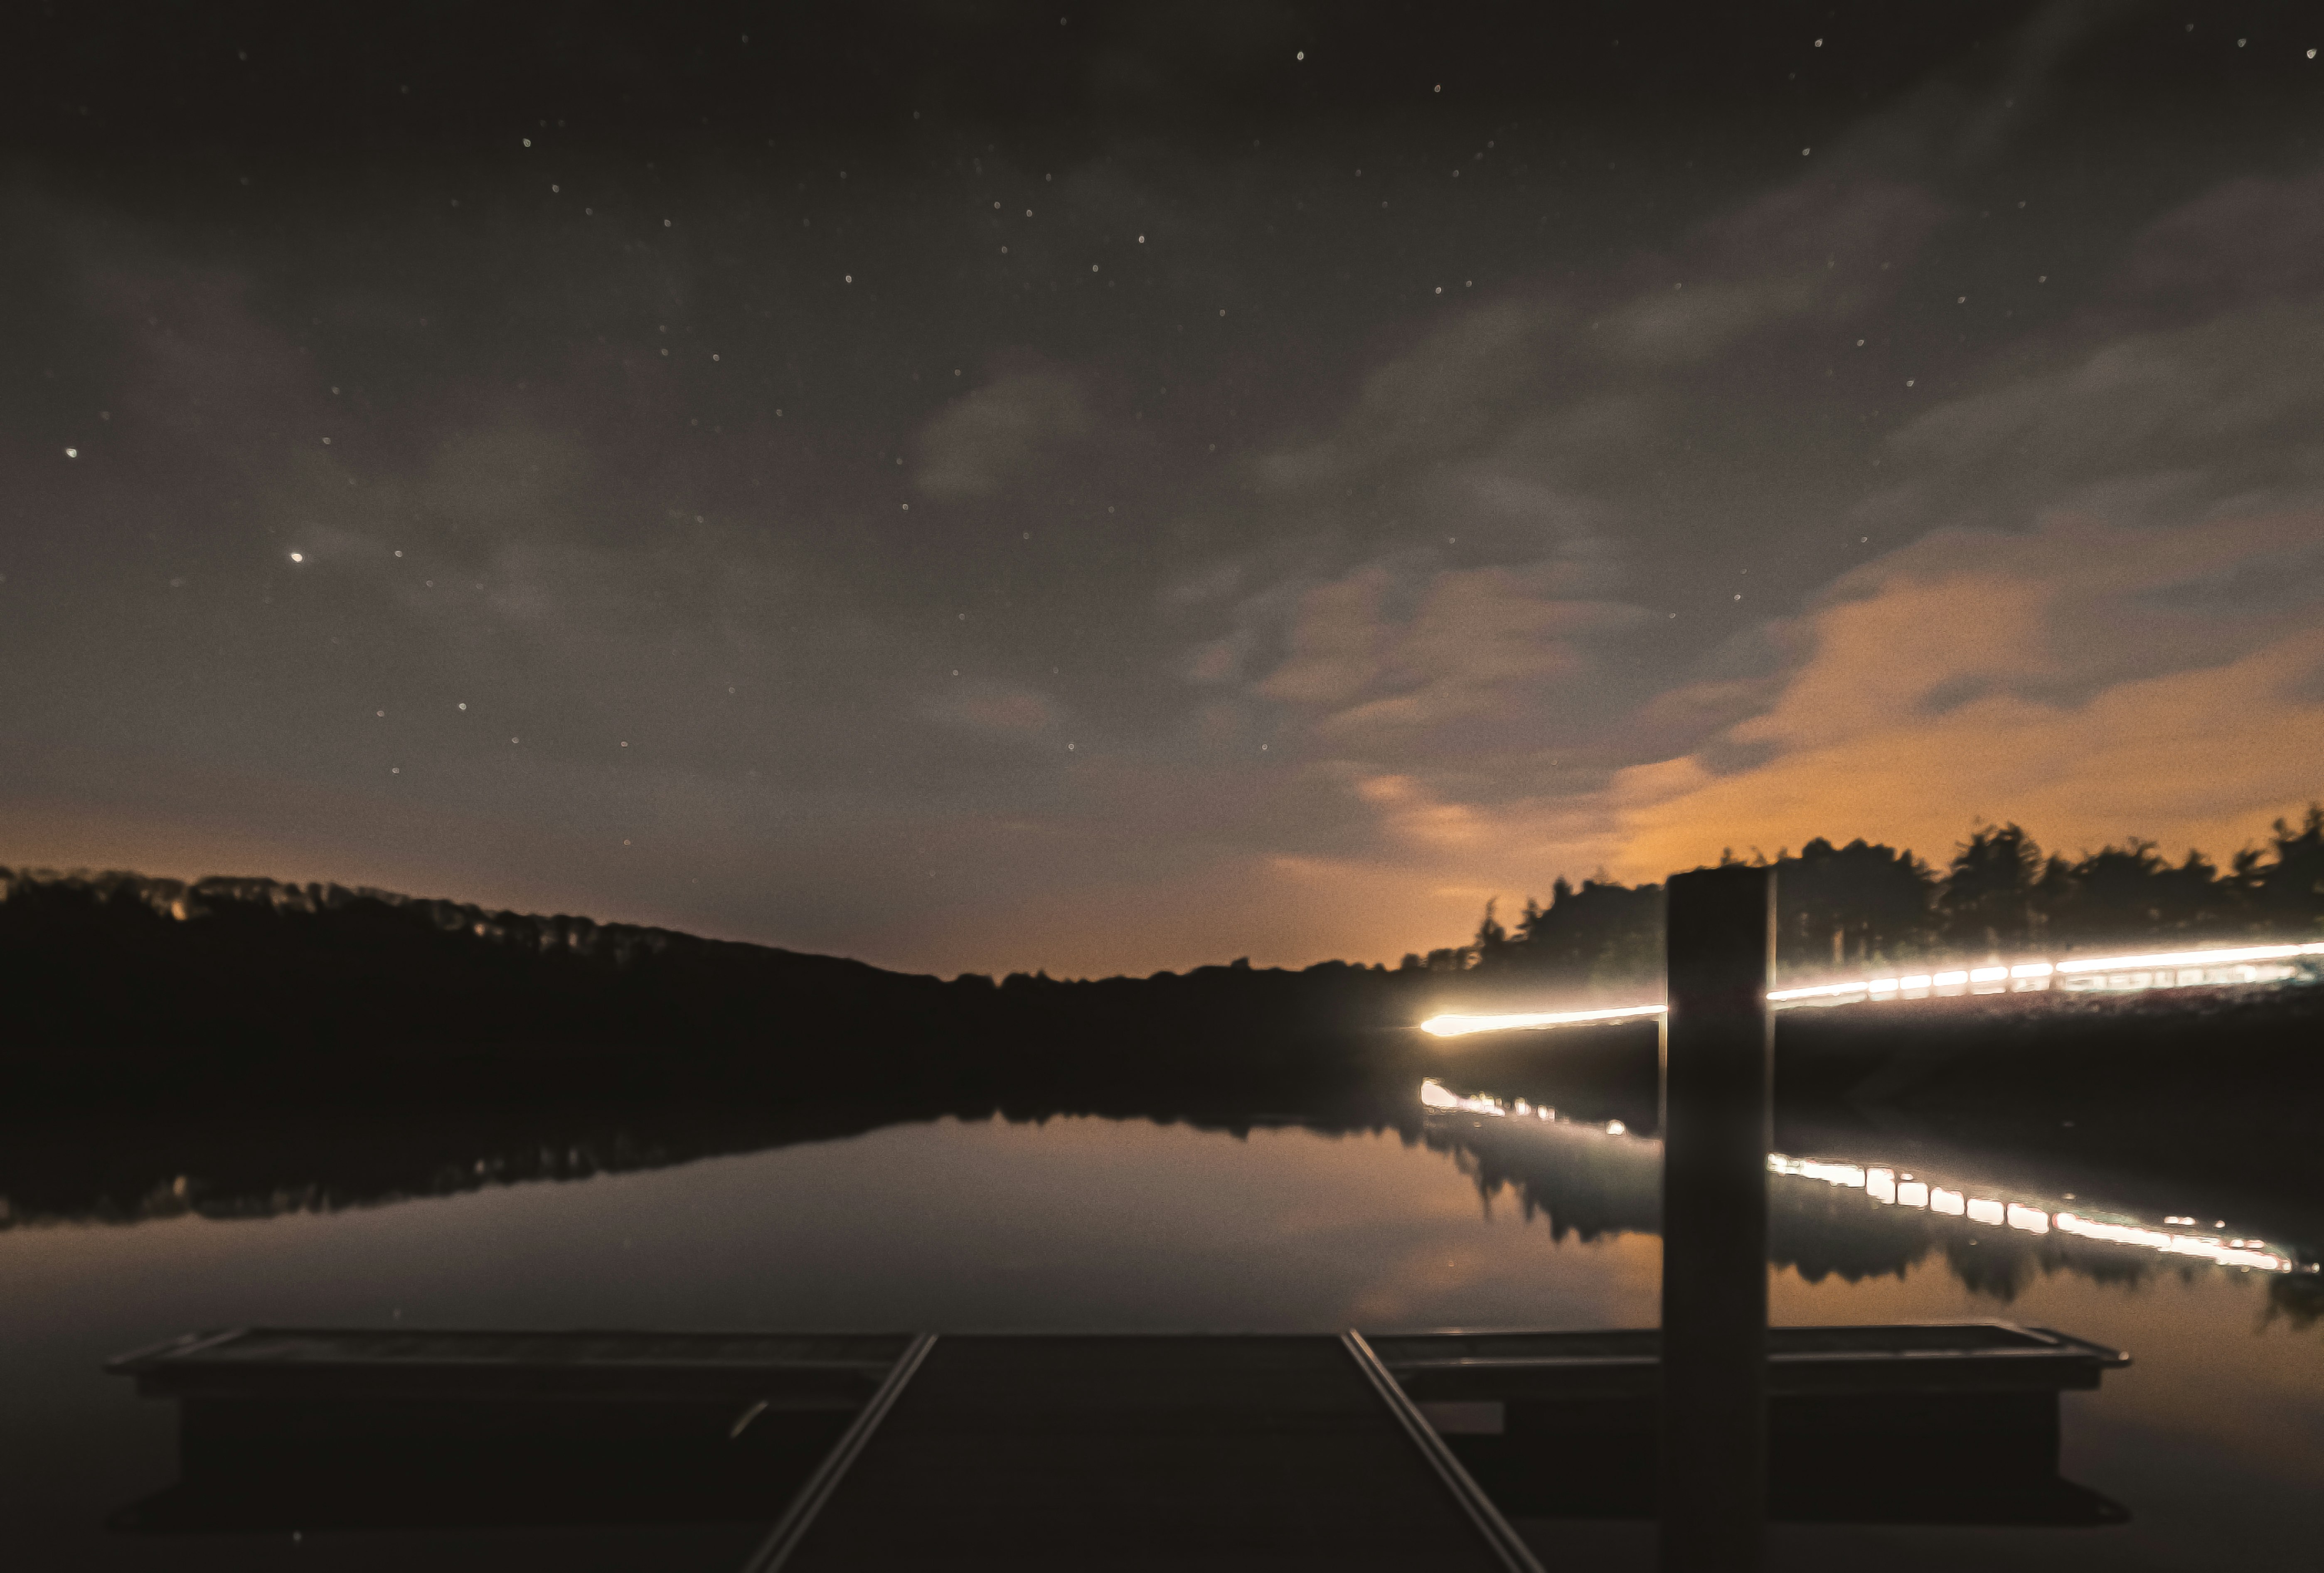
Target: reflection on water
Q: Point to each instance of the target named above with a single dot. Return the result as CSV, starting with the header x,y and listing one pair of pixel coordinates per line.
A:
x,y
981,1225
1893,1188
1595,1176
731,1219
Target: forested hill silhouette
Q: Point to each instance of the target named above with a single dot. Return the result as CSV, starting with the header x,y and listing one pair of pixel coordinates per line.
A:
x,y
1864,903
137,989
128,988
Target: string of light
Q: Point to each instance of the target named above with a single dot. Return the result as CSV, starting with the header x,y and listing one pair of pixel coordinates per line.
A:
x,y
2116,974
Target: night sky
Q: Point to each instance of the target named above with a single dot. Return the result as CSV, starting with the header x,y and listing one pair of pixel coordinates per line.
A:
x,y
991,486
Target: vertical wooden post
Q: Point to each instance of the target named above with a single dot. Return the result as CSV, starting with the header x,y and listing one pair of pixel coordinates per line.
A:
x,y
1717,1087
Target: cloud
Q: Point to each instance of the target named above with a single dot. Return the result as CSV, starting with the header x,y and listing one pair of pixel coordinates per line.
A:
x,y
1981,674
997,709
1458,385
1818,250
2092,679
998,433
2098,612
1484,842
1336,646
2247,240
1401,644
2136,404
2028,64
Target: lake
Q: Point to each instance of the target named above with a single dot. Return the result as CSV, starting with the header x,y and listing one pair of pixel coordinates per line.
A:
x,y
2213,1438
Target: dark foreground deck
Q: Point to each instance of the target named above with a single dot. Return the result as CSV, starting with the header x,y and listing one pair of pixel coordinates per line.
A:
x,y
1218,1452
1214,1452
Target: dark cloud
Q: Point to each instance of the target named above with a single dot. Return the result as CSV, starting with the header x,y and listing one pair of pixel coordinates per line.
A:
x,y
2250,239
1005,430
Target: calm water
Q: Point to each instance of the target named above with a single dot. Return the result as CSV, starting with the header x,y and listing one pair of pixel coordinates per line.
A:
x,y
2214,1438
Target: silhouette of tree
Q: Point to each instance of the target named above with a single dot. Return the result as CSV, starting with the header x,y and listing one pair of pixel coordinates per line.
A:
x,y
161,986
1492,941
1859,904
2126,893
1601,934
2287,895
1987,904
155,992
1866,904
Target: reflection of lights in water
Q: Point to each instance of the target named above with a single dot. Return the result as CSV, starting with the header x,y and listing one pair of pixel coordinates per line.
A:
x,y
1432,1095
1891,1187
1886,1187
2094,974
2227,1252
1810,1169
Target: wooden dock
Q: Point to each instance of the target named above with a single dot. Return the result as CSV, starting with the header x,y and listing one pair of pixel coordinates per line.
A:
x,y
1625,1363
349,1366
1946,1422
868,1451
1218,1453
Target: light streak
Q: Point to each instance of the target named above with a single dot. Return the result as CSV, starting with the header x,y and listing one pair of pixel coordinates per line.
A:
x,y
1888,1186
1450,1026
1810,1169
2191,959
2113,974
1433,1095
2209,1247
1884,1186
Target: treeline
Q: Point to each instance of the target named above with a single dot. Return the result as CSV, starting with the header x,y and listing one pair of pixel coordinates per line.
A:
x,y
1865,904
143,990
128,988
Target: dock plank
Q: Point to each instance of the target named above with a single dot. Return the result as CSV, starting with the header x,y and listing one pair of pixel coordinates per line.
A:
x,y
835,1370
1625,1363
1218,1453
1154,1451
